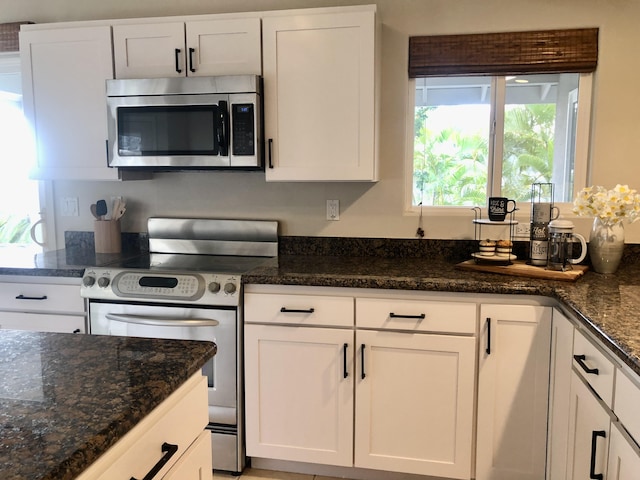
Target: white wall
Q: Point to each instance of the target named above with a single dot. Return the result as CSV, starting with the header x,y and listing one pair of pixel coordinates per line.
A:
x,y
373,210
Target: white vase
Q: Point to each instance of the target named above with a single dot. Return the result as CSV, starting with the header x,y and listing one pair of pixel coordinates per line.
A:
x,y
606,244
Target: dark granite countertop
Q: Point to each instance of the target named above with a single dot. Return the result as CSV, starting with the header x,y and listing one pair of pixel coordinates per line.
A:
x,y
66,399
608,305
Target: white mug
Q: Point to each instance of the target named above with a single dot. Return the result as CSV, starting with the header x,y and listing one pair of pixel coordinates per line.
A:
x,y
544,212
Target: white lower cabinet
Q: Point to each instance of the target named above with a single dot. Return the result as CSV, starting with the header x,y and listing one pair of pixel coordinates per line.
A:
x,y
414,403
299,393
171,441
588,433
513,389
624,456
410,383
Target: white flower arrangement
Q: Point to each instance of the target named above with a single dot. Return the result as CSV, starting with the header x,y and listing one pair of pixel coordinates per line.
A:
x,y
610,206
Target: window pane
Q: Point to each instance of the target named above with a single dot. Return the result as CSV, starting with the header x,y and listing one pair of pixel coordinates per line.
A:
x,y
451,143
539,134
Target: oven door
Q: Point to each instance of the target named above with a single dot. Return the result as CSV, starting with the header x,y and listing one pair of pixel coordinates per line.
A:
x,y
218,325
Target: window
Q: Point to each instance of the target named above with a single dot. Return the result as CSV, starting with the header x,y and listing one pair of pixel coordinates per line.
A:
x,y
19,196
495,113
482,136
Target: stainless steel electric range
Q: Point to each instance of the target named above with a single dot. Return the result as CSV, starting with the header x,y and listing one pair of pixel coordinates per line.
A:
x,y
189,287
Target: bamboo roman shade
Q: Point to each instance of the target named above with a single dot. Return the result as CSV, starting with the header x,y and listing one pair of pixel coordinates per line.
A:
x,y
508,53
9,36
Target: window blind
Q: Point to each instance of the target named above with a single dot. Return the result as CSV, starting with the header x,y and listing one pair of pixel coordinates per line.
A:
x,y
507,53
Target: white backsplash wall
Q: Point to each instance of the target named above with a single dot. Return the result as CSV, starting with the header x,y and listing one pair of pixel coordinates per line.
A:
x,y
371,210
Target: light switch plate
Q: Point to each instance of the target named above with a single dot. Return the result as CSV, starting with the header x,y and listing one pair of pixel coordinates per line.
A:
x,y
70,207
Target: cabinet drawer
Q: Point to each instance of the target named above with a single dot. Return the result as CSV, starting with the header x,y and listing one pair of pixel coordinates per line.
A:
x,y
626,405
298,309
593,366
41,297
179,420
416,315
42,322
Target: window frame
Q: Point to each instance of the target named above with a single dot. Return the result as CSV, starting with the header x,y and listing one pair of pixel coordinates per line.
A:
x,y
494,173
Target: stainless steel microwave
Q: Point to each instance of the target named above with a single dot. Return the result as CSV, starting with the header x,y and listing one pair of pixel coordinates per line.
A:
x,y
185,123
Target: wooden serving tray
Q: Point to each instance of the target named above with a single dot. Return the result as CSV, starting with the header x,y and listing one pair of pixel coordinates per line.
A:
x,y
520,268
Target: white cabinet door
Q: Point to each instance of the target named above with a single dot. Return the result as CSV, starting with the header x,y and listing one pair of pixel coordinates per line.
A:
x,y
299,393
588,433
195,463
414,403
559,396
624,457
64,73
224,47
149,50
197,48
319,96
513,389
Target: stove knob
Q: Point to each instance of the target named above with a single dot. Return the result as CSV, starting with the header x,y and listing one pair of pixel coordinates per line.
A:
x,y
230,288
103,282
88,281
214,287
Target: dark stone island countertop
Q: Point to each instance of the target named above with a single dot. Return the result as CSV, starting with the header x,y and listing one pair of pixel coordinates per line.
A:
x,y
65,399
608,305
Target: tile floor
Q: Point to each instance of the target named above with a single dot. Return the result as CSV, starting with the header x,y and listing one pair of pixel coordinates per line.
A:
x,y
254,474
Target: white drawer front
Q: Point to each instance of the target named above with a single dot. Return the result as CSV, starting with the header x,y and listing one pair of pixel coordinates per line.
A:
x,y
298,309
42,322
41,297
587,359
416,315
626,405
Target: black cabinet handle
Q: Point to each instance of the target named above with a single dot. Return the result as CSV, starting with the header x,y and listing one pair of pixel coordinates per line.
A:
x,y
395,315
270,143
488,349
77,330
191,52
580,359
178,61
296,310
169,451
345,372
594,444
24,297
362,375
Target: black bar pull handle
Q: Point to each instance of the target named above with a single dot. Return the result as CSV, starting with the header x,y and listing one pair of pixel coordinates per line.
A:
x,y
270,143
345,372
362,374
169,451
191,52
580,359
25,297
177,52
297,310
488,323
594,444
396,315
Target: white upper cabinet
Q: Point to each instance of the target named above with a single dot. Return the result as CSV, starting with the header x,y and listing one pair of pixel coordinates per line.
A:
x,y
320,95
64,73
193,48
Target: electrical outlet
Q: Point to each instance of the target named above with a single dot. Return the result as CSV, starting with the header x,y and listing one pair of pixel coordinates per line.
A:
x,y
69,207
333,209
523,230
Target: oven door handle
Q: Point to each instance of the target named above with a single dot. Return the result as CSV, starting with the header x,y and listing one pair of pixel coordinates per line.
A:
x,y
162,321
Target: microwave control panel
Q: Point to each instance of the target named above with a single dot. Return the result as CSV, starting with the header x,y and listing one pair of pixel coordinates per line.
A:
x,y
243,128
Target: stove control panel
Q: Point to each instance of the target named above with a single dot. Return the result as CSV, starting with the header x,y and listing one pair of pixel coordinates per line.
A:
x,y
176,287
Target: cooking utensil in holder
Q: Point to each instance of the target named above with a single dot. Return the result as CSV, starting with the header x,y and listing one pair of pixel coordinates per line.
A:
x,y
107,236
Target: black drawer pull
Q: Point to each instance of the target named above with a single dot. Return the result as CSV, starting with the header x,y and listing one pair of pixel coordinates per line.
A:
x,y
395,315
580,359
169,451
594,444
296,310
24,297
362,374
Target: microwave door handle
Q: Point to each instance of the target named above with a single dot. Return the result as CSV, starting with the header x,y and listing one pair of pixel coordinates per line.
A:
x,y
223,128
162,321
